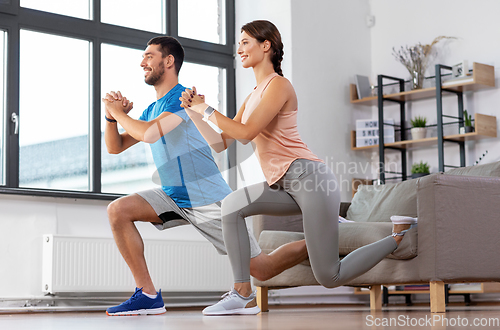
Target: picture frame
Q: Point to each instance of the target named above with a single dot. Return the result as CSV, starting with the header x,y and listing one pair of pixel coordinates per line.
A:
x,y
460,70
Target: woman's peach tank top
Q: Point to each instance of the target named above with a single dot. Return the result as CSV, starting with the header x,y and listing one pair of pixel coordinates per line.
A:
x,y
279,144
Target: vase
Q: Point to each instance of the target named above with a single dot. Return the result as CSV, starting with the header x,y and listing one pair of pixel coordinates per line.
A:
x,y
418,175
418,133
417,80
469,129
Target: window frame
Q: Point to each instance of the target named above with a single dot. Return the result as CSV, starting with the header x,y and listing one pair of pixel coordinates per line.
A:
x,y
13,18
11,8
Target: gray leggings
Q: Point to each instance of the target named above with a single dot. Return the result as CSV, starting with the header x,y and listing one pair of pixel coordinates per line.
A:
x,y
308,188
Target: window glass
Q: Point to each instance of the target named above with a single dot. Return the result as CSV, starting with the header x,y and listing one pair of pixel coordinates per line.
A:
x,y
210,18
75,8
148,15
54,112
132,170
3,62
211,82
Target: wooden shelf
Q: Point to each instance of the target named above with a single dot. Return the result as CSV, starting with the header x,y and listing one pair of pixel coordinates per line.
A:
x,y
483,76
485,127
359,291
489,287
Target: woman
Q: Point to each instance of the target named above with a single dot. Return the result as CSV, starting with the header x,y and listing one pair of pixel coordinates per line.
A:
x,y
297,180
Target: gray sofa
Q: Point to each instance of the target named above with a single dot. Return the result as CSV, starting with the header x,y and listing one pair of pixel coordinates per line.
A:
x,y
455,241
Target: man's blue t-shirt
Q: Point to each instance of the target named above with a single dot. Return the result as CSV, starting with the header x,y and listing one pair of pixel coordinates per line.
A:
x,y
183,158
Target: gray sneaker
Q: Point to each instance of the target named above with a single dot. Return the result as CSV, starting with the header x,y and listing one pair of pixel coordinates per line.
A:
x,y
233,303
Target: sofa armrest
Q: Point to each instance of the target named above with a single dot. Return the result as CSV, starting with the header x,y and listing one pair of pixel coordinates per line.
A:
x,y
458,228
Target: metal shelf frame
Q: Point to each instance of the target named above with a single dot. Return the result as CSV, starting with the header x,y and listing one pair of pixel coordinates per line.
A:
x,y
403,129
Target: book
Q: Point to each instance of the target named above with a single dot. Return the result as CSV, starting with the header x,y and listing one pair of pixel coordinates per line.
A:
x,y
363,86
417,287
465,287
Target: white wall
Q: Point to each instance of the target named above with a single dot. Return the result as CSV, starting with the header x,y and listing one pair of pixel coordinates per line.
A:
x,y
278,12
23,222
331,44
326,42
475,24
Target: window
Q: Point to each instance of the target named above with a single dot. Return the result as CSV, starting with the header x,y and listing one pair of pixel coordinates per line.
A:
x,y
74,8
53,112
132,170
64,56
211,17
146,15
3,52
209,81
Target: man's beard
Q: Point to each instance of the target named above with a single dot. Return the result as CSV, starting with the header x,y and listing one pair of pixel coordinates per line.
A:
x,y
155,76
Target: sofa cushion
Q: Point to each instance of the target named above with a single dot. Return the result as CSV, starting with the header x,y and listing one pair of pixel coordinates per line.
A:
x,y
378,203
491,169
352,236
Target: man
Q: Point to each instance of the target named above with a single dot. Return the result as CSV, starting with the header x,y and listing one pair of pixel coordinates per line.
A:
x,y
191,184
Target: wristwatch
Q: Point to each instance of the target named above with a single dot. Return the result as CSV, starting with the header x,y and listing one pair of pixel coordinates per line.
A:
x,y
208,112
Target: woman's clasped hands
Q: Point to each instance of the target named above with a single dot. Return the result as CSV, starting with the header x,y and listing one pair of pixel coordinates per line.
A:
x,y
190,99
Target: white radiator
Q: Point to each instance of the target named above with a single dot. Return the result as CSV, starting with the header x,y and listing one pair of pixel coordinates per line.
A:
x,y
83,264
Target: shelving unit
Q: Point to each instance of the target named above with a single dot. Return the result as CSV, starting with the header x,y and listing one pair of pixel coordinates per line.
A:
x,y
490,287
483,76
485,128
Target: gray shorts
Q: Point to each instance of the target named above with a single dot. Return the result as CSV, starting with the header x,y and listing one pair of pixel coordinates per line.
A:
x,y
206,219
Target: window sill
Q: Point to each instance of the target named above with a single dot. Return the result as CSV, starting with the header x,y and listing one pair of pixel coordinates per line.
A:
x,y
58,193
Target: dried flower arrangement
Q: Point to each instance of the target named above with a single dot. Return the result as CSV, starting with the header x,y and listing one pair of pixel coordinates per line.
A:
x,y
416,58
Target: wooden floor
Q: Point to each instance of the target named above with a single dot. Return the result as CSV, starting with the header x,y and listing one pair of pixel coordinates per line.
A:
x,y
294,317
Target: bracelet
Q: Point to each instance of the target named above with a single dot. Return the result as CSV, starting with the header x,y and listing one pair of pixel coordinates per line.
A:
x,y
110,120
207,113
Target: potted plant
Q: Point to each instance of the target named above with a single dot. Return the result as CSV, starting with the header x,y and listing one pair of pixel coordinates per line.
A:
x,y
419,169
468,122
418,130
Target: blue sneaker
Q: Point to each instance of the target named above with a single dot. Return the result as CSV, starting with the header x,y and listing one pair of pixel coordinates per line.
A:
x,y
139,304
